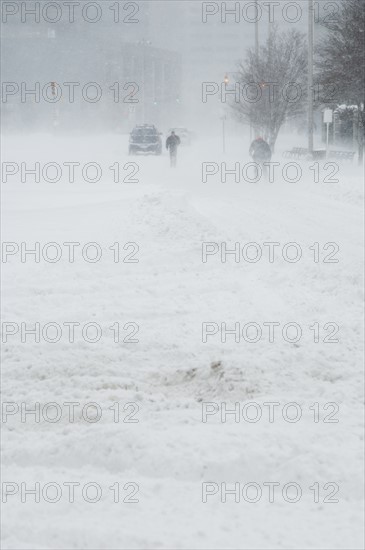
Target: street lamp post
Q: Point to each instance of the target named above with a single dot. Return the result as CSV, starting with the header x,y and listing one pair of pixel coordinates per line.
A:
x,y
256,45
55,108
144,43
144,84
310,75
224,118
224,115
257,28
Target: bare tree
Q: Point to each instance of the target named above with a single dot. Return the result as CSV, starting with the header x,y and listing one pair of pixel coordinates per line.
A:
x,y
273,83
340,62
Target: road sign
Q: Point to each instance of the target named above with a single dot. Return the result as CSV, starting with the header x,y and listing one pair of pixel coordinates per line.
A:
x,y
328,116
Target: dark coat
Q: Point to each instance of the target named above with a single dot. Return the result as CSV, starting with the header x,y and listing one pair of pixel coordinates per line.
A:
x,y
172,143
260,151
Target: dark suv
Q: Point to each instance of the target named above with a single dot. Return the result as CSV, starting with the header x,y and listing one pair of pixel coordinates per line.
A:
x,y
145,139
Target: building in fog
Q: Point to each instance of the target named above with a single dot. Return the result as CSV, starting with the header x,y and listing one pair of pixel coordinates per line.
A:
x,y
134,81
151,80
208,50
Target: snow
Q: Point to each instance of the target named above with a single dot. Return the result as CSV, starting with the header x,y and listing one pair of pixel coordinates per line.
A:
x,y
170,372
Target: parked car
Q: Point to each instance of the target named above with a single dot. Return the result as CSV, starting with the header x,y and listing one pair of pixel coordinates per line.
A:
x,y
184,134
145,139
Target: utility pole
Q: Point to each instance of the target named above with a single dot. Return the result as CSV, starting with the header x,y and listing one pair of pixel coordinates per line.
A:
x,y
310,75
257,28
256,45
144,83
144,43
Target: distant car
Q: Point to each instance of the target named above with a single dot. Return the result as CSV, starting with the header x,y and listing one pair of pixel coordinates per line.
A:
x,y
145,139
184,134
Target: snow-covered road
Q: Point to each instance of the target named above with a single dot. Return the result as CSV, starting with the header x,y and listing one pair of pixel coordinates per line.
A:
x,y
146,426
